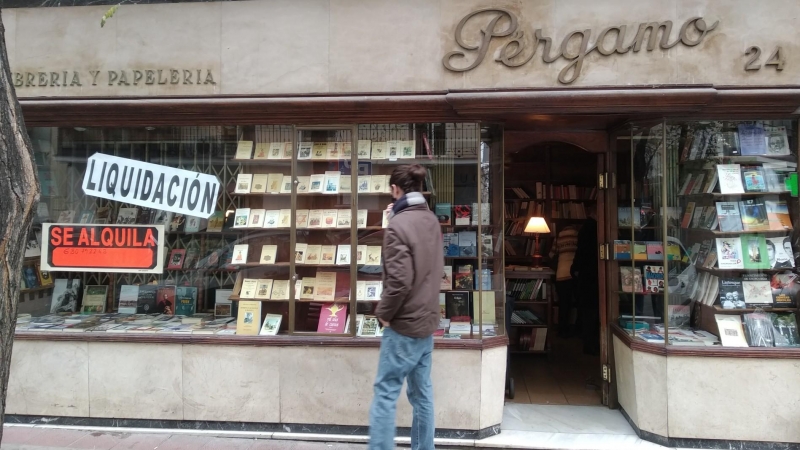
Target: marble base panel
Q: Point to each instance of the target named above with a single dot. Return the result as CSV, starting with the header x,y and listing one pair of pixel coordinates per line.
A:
x,y
49,379
209,425
302,389
708,444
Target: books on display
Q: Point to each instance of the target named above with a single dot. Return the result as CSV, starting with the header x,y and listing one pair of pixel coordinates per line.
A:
x,y
332,318
373,290
777,214
301,218
176,257
313,254
300,249
241,217
731,333
779,252
249,286
128,297
785,287
752,139
256,219
244,149
319,150
754,215
343,254
248,322
729,253
307,286
261,150
274,182
315,218
329,217
268,254
378,150
364,149
654,279
777,141
753,178
364,184
286,184
757,289
280,290
631,279
344,218
728,216
304,150
754,251
731,293
325,286
730,178
271,218
264,288
259,183
373,255
272,323
303,184
361,254
185,301
244,181
284,218
361,218
376,183
316,183
331,182
94,299
327,254
447,279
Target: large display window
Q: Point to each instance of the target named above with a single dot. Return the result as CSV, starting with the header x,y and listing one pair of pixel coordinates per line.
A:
x,y
293,245
705,250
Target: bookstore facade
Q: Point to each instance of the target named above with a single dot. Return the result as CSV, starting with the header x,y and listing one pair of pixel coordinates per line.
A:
x,y
208,243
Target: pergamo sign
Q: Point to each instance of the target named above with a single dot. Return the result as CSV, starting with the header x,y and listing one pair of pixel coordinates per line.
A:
x,y
150,185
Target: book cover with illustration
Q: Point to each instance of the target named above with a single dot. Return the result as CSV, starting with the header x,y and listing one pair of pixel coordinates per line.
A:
x,y
728,216
754,252
785,287
654,279
731,293
779,252
462,214
332,318
729,253
185,300
754,215
753,178
631,279
777,214
757,289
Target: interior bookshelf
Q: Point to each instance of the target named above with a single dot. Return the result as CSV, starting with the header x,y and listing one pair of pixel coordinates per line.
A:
x,y
531,325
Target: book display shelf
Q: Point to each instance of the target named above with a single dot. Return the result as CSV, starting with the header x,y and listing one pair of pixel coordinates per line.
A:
x,y
558,184
294,245
706,254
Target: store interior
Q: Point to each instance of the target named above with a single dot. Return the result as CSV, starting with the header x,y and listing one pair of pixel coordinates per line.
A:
x,y
554,355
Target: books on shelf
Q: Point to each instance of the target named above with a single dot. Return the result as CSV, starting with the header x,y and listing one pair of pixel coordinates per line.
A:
x,y
731,332
757,289
631,279
244,149
654,279
779,252
94,299
731,293
332,318
785,288
729,253
730,178
248,321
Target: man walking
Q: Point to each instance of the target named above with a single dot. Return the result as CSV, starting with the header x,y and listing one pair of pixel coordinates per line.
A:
x,y
413,263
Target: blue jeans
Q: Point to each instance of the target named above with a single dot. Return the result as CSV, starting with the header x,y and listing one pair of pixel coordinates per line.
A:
x,y
402,357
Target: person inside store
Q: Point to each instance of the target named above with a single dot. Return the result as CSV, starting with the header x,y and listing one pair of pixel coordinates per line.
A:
x,y
584,270
413,260
564,248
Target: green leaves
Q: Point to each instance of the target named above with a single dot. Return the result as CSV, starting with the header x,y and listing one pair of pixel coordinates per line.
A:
x,y
109,14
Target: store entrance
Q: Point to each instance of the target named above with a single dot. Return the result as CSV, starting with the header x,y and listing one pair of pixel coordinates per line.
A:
x,y
553,288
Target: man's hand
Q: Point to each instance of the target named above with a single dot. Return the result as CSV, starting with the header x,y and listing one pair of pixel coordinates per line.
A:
x,y
384,323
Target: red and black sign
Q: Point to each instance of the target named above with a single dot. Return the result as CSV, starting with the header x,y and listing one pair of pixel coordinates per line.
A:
x,y
110,248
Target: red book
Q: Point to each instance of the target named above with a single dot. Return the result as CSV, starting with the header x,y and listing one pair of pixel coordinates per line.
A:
x,y
332,318
176,259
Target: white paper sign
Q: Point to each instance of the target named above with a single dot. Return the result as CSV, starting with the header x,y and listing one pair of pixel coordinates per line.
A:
x,y
151,185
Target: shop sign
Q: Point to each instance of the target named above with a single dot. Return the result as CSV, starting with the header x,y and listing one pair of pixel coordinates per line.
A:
x,y
151,185
122,77
574,47
102,248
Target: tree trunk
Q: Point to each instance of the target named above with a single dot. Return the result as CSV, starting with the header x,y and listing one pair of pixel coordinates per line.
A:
x,y
19,194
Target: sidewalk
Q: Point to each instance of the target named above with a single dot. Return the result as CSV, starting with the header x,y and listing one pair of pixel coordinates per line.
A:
x,y
40,438
524,427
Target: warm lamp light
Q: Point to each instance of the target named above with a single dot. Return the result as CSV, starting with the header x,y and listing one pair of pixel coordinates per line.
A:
x,y
537,225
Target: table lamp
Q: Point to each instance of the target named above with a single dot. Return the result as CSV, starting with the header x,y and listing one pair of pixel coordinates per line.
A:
x,y
537,225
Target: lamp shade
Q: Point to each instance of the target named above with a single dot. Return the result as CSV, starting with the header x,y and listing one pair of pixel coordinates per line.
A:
x,y
537,225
